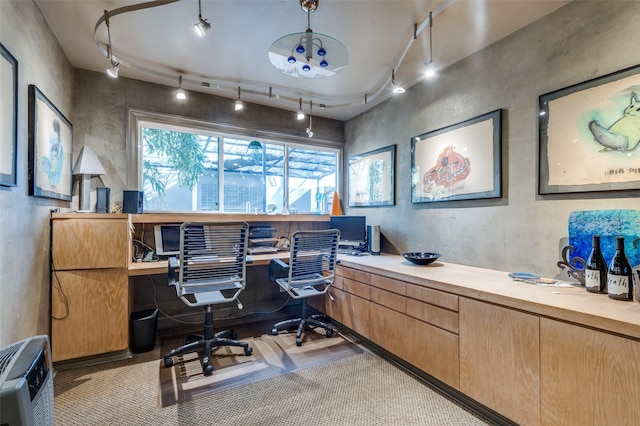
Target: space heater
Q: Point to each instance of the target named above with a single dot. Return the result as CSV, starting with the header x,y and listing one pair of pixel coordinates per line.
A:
x,y
26,383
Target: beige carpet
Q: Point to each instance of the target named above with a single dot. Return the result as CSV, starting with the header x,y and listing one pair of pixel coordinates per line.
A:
x,y
272,356
362,389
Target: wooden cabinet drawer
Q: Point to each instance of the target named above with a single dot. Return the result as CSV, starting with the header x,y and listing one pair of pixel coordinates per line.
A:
x,y
388,284
90,312
90,243
353,274
350,310
428,348
388,299
357,288
434,315
434,297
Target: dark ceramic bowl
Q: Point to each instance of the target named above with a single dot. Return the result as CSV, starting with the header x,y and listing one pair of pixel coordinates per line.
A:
x,y
421,258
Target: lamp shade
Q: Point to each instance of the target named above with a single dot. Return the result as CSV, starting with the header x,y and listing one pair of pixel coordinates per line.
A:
x,y
87,163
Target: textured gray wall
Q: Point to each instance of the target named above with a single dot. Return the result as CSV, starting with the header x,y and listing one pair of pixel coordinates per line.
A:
x,y
106,131
522,231
24,220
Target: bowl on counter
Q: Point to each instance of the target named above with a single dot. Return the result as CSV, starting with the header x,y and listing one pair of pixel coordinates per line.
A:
x,y
421,258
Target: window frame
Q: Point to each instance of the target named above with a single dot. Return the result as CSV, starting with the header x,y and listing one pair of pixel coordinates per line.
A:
x,y
138,118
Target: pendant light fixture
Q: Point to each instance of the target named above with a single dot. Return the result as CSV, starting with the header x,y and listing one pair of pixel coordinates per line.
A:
x,y
239,105
300,114
180,93
308,54
112,71
309,129
430,72
202,26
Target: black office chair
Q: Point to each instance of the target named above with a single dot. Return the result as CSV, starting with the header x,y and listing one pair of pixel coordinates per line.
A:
x,y
211,270
310,272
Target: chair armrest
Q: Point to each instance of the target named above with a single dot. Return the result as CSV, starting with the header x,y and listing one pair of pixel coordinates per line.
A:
x,y
277,268
173,267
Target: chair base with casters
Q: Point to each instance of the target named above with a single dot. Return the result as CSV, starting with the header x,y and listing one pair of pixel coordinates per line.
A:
x,y
305,322
207,342
310,273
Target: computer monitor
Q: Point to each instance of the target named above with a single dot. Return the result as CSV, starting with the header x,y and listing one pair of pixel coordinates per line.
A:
x,y
353,229
167,239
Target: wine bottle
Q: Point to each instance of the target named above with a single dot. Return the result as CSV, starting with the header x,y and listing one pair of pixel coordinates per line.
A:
x,y
620,280
595,270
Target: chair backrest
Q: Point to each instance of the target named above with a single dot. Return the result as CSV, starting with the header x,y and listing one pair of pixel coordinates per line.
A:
x,y
312,261
212,259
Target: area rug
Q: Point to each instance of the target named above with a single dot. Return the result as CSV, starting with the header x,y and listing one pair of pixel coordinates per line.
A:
x,y
272,356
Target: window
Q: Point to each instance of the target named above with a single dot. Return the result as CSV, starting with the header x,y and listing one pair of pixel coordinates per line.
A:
x,y
182,167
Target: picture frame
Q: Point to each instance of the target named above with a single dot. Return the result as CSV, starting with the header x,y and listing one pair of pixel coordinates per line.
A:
x,y
371,178
458,162
8,118
50,149
588,133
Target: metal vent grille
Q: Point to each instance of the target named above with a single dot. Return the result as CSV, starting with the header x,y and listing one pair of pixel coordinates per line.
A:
x,y
6,355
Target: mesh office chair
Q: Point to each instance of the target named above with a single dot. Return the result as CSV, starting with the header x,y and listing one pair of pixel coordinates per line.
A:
x,y
212,270
310,272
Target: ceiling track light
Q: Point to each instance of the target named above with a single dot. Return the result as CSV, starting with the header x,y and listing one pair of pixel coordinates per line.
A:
x,y
396,88
430,71
239,105
309,129
112,71
300,114
202,26
180,93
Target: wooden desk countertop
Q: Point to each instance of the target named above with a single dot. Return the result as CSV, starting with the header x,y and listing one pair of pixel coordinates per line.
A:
x,y
571,304
161,266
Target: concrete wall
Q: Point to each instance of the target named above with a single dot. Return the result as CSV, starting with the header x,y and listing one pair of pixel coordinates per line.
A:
x,y
106,131
24,220
522,231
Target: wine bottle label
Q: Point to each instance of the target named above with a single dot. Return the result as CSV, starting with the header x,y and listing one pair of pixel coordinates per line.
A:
x,y
592,278
618,284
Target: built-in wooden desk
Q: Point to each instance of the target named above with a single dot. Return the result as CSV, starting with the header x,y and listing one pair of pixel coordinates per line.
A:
x,y
93,268
160,266
536,355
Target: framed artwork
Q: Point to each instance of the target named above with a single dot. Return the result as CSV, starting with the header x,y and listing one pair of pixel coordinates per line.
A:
x,y
50,149
459,162
8,118
371,178
589,135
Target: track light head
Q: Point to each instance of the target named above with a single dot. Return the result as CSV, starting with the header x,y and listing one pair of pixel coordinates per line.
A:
x,y
112,71
180,93
300,114
201,27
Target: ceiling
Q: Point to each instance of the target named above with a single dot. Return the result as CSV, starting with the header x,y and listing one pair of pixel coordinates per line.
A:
x,y
158,44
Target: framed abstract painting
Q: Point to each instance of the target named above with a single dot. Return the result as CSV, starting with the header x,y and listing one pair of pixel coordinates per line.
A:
x,y
8,118
50,149
371,178
589,135
459,162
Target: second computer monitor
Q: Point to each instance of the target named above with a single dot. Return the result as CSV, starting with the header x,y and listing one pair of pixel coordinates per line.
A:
x,y
353,229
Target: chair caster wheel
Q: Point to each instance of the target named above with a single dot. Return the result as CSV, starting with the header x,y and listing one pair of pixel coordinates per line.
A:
x,y
298,342
207,370
233,335
329,333
274,332
248,350
168,362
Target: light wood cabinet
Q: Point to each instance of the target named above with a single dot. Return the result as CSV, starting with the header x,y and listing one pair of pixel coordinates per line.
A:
x,y
587,377
89,285
377,308
500,359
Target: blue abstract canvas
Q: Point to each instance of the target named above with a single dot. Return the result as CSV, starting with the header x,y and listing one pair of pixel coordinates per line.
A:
x,y
608,224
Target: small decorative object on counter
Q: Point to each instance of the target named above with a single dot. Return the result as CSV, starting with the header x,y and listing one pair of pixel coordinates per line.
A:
x,y
595,270
620,278
574,264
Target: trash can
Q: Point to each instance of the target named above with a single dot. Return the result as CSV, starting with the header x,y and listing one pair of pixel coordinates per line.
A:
x,y
142,330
